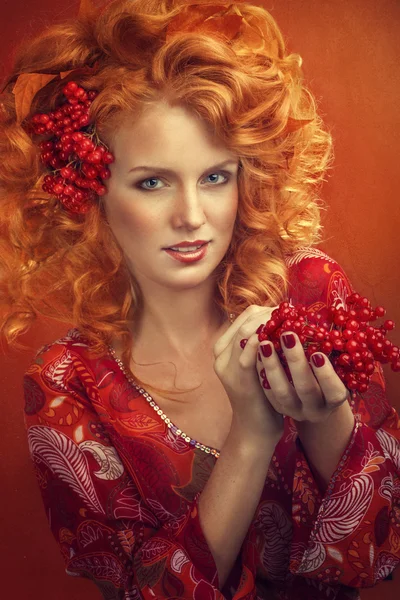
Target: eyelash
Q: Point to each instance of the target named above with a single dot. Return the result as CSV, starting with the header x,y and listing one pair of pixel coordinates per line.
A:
x,y
139,185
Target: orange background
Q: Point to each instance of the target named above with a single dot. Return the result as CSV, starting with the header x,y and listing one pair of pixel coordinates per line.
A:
x,y
351,55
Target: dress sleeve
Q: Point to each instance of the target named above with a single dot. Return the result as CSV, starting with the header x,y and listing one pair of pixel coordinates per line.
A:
x,y
351,533
105,530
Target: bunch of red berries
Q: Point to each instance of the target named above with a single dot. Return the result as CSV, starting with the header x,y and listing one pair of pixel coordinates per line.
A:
x,y
346,338
74,154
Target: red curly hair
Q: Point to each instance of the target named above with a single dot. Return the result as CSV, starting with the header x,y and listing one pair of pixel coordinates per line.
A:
x,y
70,267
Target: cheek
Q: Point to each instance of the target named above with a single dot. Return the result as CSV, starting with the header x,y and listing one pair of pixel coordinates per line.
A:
x,y
126,219
227,214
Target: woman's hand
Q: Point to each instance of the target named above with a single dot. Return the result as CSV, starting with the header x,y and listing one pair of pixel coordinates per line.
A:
x,y
316,392
238,371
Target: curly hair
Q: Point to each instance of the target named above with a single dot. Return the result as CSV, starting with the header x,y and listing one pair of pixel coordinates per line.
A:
x,y
70,267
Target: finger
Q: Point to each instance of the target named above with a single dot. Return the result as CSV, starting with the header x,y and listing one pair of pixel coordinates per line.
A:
x,y
247,323
235,351
279,391
333,389
231,332
307,381
305,385
245,358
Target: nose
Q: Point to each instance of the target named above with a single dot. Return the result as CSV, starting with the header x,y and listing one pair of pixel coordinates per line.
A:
x,y
188,208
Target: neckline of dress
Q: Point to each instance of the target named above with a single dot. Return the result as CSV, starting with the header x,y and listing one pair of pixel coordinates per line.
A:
x,y
174,428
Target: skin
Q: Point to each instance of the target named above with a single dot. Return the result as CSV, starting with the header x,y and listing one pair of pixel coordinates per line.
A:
x,y
193,201
196,200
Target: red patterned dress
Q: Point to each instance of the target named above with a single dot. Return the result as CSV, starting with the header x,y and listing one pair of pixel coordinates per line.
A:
x,y
121,484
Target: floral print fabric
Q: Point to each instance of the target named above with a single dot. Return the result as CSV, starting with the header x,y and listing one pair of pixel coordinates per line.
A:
x,y
121,489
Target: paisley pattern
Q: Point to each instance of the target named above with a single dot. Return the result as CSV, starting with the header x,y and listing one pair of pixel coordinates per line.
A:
x,y
121,488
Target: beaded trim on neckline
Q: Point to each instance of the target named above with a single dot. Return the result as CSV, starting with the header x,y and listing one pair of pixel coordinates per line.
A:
x,y
175,430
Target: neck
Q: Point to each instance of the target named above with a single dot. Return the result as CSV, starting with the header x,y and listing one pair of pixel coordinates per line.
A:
x,y
178,324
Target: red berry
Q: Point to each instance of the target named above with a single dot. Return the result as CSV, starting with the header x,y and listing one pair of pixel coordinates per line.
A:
x,y
108,158
364,302
345,360
353,298
78,136
76,114
79,92
70,88
362,388
94,157
364,314
369,369
66,172
339,319
87,144
83,121
380,311
46,156
89,171
338,344
69,190
347,334
105,173
326,347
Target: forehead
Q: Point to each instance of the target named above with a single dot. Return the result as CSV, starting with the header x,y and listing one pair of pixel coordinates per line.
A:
x,y
162,130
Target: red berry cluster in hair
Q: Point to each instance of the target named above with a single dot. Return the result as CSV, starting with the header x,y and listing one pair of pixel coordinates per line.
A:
x,y
347,339
78,160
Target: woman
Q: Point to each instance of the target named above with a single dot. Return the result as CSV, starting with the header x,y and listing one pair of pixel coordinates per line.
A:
x,y
174,458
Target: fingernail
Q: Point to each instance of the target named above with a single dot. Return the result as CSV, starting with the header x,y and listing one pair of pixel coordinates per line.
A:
x,y
266,385
262,373
289,340
318,360
243,343
259,356
266,350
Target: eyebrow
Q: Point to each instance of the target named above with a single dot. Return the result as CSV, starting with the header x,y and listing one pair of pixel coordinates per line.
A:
x,y
170,172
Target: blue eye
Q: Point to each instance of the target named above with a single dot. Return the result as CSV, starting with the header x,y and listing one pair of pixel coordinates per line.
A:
x,y
146,180
218,174
141,184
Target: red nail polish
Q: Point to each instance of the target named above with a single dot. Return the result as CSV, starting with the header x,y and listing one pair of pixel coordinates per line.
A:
x,y
259,356
318,360
266,350
262,373
289,340
266,385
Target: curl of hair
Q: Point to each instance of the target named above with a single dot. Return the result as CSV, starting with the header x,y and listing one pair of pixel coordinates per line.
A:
x,y
70,267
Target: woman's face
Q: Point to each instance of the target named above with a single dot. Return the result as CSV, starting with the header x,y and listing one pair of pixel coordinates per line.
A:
x,y
167,185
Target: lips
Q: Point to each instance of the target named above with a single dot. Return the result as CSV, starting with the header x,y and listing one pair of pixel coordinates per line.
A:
x,y
197,246
196,243
188,256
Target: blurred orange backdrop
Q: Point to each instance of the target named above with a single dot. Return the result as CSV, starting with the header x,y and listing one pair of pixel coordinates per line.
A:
x,y
350,54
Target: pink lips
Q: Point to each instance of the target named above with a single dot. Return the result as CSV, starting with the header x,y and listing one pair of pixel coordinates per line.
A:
x,y
186,244
188,257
